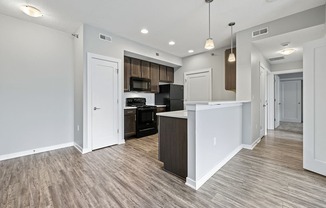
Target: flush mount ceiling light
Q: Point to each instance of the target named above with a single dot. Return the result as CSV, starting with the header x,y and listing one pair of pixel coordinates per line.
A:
x,y
287,51
190,51
171,43
231,55
31,11
144,31
209,42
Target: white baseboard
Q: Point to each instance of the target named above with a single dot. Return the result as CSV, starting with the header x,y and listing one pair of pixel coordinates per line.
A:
x,y
35,151
251,146
197,184
82,150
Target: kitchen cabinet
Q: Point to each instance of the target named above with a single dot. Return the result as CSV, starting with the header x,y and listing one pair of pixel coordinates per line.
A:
x,y
162,73
173,145
155,74
230,72
161,109
126,74
130,122
135,68
145,70
166,74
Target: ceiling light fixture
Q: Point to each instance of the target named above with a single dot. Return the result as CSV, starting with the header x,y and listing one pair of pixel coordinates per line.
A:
x,y
209,42
287,51
171,43
231,55
144,31
190,51
31,11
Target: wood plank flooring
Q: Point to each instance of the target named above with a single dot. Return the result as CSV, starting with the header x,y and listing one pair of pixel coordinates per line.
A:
x,y
131,176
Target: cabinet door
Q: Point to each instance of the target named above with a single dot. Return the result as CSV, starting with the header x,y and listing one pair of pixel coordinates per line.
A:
x,y
162,73
130,123
135,68
155,75
126,73
230,72
170,74
145,70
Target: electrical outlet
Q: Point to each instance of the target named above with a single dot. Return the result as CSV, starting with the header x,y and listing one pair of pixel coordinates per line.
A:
x,y
214,139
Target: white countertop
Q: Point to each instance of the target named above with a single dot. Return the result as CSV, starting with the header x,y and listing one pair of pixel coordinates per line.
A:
x,y
174,114
216,102
129,107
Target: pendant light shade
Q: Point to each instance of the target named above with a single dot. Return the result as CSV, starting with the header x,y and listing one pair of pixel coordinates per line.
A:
x,y
209,42
231,55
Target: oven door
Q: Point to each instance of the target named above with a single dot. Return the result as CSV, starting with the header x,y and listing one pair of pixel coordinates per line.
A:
x,y
146,122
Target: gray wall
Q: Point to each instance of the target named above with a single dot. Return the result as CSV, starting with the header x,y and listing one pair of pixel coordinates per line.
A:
x,y
36,86
206,60
78,80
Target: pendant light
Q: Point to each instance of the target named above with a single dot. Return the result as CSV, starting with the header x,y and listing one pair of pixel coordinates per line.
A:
x,y
209,42
231,55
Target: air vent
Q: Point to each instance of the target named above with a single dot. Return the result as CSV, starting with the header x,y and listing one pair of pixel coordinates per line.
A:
x,y
276,58
105,37
260,32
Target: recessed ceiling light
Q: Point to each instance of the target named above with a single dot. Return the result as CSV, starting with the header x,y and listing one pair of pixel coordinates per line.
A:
x,y
31,11
144,31
190,51
287,51
171,43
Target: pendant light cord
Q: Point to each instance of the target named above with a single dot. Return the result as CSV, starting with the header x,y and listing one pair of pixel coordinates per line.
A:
x,y
231,39
209,20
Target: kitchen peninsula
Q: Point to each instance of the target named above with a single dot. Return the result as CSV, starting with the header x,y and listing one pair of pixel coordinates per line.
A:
x,y
196,143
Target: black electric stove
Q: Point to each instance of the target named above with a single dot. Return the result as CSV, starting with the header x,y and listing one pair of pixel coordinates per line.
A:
x,y
146,121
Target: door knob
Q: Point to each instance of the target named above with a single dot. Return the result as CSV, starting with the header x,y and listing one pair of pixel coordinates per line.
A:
x,y
95,108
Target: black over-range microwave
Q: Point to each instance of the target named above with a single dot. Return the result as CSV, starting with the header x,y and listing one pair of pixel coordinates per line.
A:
x,y
140,84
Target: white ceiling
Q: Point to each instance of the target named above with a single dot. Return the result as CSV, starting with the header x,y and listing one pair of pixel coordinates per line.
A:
x,y
270,47
184,21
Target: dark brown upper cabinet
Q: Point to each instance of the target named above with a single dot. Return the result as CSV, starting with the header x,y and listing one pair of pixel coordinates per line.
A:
x,y
155,74
145,70
135,68
170,74
162,73
126,74
166,74
230,72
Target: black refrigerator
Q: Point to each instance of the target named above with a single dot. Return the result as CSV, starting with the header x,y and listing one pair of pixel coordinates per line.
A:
x,y
170,95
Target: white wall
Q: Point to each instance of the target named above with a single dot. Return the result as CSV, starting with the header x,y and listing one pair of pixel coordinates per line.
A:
x,y
36,86
287,66
206,60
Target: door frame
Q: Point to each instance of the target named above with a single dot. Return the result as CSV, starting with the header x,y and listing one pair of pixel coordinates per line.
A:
x,y
87,109
266,103
209,70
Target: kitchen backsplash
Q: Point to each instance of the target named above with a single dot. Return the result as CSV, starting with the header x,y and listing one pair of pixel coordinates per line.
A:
x,y
150,97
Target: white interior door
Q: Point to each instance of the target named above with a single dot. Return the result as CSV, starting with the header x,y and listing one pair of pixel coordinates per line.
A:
x,y
277,101
104,106
198,85
291,101
314,131
263,102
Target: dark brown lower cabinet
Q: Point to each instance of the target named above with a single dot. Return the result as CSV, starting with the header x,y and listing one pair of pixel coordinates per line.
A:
x,y
173,145
130,122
